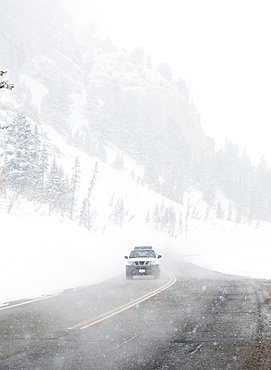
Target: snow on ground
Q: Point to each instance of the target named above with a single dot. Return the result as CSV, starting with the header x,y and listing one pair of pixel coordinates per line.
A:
x,y
230,248
44,255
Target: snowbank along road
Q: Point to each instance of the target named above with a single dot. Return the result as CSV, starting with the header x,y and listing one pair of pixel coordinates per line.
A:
x,y
188,319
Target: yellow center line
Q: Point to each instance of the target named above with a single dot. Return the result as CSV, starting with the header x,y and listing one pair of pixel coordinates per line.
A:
x,y
126,306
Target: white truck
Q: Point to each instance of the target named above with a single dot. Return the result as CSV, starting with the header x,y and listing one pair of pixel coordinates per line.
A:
x,y
143,261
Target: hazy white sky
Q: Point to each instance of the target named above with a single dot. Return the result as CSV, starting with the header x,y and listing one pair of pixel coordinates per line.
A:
x,y
220,47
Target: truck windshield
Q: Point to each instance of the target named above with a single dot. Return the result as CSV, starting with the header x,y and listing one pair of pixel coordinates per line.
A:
x,y
142,254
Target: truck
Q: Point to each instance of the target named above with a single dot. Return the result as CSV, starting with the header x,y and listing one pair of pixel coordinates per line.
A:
x,y
143,260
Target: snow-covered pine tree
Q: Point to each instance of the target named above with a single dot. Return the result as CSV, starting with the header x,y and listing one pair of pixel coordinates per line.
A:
x,y
209,196
57,189
41,174
119,212
65,194
93,181
156,216
229,216
118,163
219,212
19,157
37,174
86,216
148,217
84,212
171,215
75,180
181,223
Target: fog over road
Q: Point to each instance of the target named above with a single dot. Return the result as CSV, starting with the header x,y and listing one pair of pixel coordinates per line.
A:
x,y
189,319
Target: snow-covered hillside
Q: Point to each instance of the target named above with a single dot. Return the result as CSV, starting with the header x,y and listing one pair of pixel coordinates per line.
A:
x,y
44,254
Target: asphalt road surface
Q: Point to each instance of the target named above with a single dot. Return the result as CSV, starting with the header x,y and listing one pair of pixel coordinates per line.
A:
x,y
189,319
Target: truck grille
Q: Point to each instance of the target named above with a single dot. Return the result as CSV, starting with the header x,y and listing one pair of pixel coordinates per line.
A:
x,y
142,263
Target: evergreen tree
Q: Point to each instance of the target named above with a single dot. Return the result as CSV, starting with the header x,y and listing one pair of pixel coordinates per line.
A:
x,y
93,180
52,187
229,216
262,197
37,175
238,218
209,196
219,213
20,156
75,180
151,176
57,189
170,220
42,172
86,216
148,217
118,163
163,218
181,223
65,200
119,212
2,184
156,216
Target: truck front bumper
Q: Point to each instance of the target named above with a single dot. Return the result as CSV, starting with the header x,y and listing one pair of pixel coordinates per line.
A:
x,y
142,270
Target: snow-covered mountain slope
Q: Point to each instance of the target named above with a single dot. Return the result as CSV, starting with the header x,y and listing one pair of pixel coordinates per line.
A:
x,y
44,254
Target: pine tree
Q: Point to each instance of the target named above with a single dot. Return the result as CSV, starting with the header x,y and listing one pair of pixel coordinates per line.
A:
x,y
75,180
57,189
163,216
85,218
84,214
229,216
170,220
119,212
118,163
37,175
20,156
219,213
148,217
181,222
238,218
209,196
2,184
156,216
42,170
52,186
93,180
